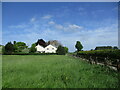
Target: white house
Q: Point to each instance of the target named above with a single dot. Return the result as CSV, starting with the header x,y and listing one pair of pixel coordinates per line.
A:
x,y
40,48
47,49
50,49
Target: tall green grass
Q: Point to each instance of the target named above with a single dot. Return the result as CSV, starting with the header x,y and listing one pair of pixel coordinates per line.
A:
x,y
54,71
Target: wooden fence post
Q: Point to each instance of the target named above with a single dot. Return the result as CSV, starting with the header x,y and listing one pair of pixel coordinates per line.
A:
x,y
90,60
118,65
105,61
96,60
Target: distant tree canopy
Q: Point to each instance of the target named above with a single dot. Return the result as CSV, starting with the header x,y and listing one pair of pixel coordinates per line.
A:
x,y
9,48
105,47
62,50
32,48
14,42
115,47
66,49
19,46
78,46
54,43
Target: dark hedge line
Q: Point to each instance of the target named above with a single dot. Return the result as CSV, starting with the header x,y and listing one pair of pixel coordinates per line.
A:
x,y
102,53
108,57
30,53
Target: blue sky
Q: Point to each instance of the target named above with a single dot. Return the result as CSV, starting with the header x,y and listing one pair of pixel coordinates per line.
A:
x,y
94,24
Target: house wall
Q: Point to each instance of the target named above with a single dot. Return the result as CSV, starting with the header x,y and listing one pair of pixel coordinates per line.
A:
x,y
40,48
50,49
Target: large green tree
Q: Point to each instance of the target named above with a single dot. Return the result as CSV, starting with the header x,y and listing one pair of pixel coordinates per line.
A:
x,y
66,49
9,48
19,46
32,48
61,50
78,46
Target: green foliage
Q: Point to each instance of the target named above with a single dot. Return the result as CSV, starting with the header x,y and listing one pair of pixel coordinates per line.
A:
x,y
66,49
14,42
111,55
32,48
54,71
102,53
3,49
103,47
32,53
15,48
61,50
19,46
106,47
115,47
9,48
78,46
26,50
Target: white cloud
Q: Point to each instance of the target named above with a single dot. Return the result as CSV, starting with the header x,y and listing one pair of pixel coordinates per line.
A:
x,y
106,35
18,26
51,22
74,26
66,28
58,26
47,17
32,19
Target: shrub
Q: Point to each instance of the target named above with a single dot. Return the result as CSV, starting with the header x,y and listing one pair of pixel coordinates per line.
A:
x,y
9,48
22,53
32,48
61,50
111,55
78,46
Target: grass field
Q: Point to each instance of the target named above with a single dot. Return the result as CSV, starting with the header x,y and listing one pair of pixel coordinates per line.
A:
x,y
54,71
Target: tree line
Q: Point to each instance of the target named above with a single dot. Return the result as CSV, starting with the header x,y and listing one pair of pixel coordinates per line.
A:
x,y
21,47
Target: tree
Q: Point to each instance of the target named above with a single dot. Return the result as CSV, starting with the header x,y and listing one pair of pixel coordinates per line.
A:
x,y
61,50
78,46
19,46
54,43
14,42
66,49
32,48
9,48
115,47
3,49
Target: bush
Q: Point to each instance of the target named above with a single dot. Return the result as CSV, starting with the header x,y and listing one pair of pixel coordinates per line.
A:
x,y
102,53
32,48
9,48
111,55
21,53
61,50
78,46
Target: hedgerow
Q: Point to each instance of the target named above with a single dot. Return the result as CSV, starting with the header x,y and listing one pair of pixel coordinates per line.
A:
x,y
108,57
21,53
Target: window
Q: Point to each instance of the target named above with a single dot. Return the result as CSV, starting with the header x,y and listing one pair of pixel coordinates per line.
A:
x,y
47,48
52,48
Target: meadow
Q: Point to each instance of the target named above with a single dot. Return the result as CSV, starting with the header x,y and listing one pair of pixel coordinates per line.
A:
x,y
54,71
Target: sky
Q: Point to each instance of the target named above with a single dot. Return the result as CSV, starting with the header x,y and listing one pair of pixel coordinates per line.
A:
x,y
93,24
